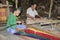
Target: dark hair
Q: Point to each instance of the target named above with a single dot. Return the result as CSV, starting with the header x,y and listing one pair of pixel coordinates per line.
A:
x,y
16,9
33,4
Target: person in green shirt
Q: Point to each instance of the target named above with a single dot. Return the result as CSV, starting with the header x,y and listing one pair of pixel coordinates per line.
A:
x,y
11,25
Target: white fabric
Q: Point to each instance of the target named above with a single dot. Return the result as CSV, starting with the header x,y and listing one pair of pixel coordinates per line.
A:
x,y
31,12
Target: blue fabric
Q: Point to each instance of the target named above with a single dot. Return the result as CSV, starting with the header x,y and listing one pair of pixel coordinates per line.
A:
x,y
12,31
17,34
22,26
20,33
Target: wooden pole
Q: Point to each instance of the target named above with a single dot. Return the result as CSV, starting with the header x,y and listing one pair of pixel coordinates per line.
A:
x,y
7,7
16,3
51,4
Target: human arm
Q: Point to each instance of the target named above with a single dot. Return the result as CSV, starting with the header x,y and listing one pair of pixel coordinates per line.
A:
x,y
28,16
38,14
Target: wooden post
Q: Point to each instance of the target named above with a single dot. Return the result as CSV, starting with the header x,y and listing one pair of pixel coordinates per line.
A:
x,y
51,4
7,7
16,3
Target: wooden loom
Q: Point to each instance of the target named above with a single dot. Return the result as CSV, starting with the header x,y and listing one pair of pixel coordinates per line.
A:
x,y
34,30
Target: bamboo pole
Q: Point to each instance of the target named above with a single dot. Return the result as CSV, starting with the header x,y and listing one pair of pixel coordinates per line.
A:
x,y
51,4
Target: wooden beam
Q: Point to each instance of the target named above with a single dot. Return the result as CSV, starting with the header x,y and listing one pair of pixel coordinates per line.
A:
x,y
2,5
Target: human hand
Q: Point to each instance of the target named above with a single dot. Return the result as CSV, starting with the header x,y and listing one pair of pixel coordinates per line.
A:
x,y
41,17
33,18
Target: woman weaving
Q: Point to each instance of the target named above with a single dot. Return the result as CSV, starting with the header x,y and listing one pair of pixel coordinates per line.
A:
x,y
12,26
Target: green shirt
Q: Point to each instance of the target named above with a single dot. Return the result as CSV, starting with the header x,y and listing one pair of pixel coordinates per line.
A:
x,y
11,21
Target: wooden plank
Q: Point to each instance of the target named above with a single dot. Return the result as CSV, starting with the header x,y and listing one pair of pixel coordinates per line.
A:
x,y
42,21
